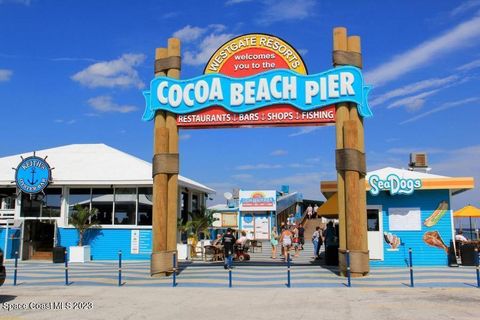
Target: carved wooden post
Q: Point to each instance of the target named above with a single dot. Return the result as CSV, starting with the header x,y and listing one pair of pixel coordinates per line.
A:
x,y
351,167
165,169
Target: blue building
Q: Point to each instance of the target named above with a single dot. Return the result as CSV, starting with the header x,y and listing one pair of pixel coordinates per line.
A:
x,y
97,176
405,209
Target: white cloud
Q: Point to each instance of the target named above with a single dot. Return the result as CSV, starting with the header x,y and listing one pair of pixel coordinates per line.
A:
x,y
462,162
189,33
447,105
304,130
207,47
407,151
22,2
185,136
5,75
413,88
242,176
286,10
114,73
469,66
463,35
465,7
232,2
69,122
105,104
302,52
279,152
413,103
260,166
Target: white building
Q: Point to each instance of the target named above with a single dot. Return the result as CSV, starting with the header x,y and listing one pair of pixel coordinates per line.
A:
x,y
119,185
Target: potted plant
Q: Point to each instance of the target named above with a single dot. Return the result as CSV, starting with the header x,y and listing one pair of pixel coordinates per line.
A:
x,y
82,219
199,223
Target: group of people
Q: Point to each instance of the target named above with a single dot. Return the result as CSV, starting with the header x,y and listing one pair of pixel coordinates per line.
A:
x,y
293,236
228,241
311,212
290,236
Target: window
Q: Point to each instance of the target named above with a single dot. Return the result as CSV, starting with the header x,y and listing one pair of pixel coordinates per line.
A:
x,y
7,198
184,207
52,202
373,220
144,217
125,205
79,196
102,200
195,203
31,205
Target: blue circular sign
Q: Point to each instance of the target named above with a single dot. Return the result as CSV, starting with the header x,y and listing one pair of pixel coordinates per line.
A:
x,y
33,175
248,218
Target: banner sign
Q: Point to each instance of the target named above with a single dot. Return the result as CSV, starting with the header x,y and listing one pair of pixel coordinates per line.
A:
x,y
257,80
240,95
254,53
394,184
33,174
262,200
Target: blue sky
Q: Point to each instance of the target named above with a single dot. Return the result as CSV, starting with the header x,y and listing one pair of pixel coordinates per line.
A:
x,y
73,72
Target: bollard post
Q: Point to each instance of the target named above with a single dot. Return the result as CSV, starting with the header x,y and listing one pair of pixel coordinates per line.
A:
x,y
229,276
119,268
288,271
347,256
477,267
174,275
15,269
411,267
66,268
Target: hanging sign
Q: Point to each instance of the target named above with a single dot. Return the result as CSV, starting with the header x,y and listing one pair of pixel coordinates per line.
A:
x,y
261,200
257,79
33,174
394,184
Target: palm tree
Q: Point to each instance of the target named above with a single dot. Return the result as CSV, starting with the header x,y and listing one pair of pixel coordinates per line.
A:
x,y
200,221
82,220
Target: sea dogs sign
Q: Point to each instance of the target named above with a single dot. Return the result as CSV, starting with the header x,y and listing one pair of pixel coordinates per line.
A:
x,y
257,80
394,184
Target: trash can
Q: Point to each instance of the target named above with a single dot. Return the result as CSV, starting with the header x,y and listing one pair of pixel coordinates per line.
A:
x,y
468,254
58,255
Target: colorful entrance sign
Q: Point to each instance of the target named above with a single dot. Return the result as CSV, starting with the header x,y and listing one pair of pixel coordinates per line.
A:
x,y
260,200
253,53
394,184
32,175
240,96
257,79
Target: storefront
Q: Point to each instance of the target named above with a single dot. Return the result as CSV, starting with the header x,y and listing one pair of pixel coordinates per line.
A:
x,y
405,209
117,184
256,212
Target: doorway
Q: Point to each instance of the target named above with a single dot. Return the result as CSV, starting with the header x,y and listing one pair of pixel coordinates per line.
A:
x,y
375,232
38,238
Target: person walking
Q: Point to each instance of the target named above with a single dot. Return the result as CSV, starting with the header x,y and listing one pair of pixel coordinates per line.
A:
x,y
301,235
315,209
286,241
309,211
228,241
316,241
274,242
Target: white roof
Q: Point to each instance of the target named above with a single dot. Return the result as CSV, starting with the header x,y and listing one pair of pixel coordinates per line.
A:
x,y
92,164
402,173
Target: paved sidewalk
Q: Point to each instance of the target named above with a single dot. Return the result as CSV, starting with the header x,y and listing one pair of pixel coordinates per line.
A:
x,y
239,303
247,274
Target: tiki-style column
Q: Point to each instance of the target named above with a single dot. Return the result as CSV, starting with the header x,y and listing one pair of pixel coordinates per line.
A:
x,y
350,164
165,169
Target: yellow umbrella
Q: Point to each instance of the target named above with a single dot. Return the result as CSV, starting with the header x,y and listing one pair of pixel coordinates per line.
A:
x,y
468,212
